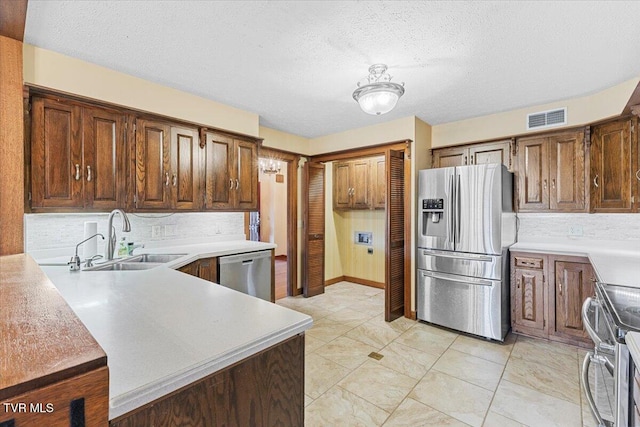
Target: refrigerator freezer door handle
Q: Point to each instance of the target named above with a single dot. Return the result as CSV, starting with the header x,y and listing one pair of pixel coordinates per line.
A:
x,y
458,202
467,280
452,215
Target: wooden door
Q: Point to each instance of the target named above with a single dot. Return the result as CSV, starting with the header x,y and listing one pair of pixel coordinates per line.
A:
x,y
449,157
378,183
566,172
611,167
342,185
218,161
153,165
533,174
360,184
529,298
246,179
313,194
104,158
573,284
495,152
56,155
395,247
185,169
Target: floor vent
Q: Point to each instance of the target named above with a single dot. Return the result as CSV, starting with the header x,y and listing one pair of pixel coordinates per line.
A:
x,y
545,119
375,355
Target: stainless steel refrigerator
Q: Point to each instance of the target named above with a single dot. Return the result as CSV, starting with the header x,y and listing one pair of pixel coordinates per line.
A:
x,y
465,227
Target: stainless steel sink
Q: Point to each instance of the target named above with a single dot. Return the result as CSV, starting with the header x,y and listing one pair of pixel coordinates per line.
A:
x,y
125,266
157,258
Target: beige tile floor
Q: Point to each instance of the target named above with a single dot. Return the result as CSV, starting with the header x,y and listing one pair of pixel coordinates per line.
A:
x,y
428,375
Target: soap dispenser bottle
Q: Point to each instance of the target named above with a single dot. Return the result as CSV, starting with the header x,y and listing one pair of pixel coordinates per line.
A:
x,y
122,248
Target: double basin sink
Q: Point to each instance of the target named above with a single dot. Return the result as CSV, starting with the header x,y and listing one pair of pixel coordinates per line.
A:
x,y
136,262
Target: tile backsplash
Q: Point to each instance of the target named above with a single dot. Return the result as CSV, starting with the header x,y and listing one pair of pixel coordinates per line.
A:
x,y
586,226
50,231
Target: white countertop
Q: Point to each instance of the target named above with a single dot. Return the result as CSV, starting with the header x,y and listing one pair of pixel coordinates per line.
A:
x,y
615,262
163,329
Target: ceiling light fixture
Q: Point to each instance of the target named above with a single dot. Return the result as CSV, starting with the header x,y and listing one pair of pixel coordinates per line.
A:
x,y
375,93
270,166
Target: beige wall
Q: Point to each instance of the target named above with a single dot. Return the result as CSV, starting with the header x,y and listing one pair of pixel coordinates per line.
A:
x,y
580,111
63,73
284,141
332,228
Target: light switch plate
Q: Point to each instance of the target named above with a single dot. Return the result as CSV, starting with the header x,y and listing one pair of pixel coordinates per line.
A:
x,y
576,230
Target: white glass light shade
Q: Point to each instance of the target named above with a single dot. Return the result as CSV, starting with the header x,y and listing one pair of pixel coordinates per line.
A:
x,y
378,102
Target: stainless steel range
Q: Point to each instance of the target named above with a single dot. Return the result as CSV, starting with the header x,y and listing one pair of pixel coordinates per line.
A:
x,y
607,370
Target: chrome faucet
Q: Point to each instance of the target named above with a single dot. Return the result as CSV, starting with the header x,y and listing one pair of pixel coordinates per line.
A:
x,y
74,263
111,242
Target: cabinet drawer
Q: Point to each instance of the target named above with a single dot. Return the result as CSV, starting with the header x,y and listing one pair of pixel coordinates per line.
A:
x,y
528,262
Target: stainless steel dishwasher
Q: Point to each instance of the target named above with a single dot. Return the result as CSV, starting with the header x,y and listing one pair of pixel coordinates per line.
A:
x,y
249,273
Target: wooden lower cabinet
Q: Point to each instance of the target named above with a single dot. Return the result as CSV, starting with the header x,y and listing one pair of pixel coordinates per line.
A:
x,y
206,268
266,389
547,292
82,400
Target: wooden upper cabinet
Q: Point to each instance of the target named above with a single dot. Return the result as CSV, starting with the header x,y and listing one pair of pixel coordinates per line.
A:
x,y
230,172
567,172
77,156
342,185
475,154
533,174
246,175
361,184
153,165
551,173
378,182
185,169
449,157
104,158
613,167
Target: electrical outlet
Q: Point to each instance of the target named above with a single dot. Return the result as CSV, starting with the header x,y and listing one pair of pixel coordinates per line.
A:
x,y
156,232
369,250
171,230
576,230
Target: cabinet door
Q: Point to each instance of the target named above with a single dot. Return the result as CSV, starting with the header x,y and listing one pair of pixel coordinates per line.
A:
x,y
191,268
611,167
153,165
218,161
209,269
495,152
185,168
341,185
566,172
246,179
378,183
573,284
56,155
448,157
529,298
360,184
104,158
533,174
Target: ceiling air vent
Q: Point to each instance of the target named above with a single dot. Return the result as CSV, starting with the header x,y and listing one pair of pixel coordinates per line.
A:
x,y
545,119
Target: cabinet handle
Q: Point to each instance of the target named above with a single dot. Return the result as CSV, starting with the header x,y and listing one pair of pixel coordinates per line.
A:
x,y
77,176
553,184
174,179
471,162
89,173
237,183
560,287
544,184
595,181
465,160
166,179
230,184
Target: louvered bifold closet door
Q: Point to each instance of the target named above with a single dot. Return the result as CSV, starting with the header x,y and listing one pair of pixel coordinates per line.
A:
x,y
313,191
395,271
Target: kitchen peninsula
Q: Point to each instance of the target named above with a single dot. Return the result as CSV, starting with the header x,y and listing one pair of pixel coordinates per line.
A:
x,y
181,349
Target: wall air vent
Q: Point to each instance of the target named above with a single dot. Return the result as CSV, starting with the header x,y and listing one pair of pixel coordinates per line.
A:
x,y
545,119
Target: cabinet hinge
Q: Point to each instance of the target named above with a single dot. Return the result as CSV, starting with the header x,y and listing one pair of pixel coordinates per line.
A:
x,y
135,200
544,323
29,195
135,127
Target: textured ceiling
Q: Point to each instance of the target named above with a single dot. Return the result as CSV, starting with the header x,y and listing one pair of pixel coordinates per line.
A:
x,y
297,63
